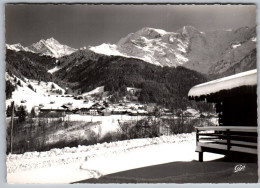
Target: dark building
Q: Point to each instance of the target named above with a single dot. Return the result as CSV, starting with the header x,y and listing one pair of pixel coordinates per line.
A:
x,y
235,99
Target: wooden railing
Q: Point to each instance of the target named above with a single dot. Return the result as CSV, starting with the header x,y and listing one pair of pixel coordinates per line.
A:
x,y
226,139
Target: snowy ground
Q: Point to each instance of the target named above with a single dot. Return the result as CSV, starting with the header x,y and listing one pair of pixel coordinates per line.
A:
x,y
44,95
107,123
83,162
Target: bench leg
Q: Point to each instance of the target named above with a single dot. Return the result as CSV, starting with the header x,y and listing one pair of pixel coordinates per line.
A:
x,y
200,156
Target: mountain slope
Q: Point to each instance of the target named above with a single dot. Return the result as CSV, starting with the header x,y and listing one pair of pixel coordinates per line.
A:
x,y
239,57
158,84
31,93
29,65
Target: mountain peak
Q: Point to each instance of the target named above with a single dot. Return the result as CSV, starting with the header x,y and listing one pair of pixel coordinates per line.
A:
x,y
15,47
40,41
52,40
189,30
149,33
17,44
49,47
160,31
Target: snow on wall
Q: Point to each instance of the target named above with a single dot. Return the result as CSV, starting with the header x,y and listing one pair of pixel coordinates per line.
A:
x,y
248,78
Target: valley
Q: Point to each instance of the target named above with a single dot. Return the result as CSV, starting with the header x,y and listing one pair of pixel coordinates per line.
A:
x,y
130,93
142,79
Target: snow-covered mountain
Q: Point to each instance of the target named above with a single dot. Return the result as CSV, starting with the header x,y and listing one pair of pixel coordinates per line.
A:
x,y
16,47
155,46
187,47
49,47
240,56
210,52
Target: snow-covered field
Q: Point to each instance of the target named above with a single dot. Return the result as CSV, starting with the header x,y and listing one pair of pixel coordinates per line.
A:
x,y
83,162
106,123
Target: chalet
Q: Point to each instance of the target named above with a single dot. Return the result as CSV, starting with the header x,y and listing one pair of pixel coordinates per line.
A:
x,y
142,112
132,112
133,90
83,111
105,104
93,112
83,108
167,112
235,99
96,105
53,111
119,111
150,107
67,107
106,112
76,111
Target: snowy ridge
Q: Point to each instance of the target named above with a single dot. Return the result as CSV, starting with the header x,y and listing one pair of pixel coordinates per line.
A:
x,y
49,47
160,31
155,46
54,69
107,49
111,50
16,47
94,91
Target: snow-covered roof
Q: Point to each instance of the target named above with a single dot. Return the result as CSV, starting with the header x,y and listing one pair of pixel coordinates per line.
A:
x,y
54,107
248,78
87,105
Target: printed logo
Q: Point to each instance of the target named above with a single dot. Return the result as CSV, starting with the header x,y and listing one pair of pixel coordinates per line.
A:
x,y
239,168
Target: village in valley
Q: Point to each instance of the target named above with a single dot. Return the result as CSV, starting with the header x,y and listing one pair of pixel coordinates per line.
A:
x,y
56,103
96,103
50,100
47,108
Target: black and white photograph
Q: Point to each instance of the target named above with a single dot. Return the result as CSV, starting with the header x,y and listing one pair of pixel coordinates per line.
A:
x,y
130,93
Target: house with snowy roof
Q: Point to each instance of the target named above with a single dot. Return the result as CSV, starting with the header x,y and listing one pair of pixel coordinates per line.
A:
x,y
52,111
235,99
106,112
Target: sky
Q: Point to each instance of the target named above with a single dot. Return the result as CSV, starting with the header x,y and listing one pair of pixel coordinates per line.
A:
x,y
90,25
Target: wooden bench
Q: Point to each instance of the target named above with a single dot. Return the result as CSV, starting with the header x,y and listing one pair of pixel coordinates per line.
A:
x,y
226,140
